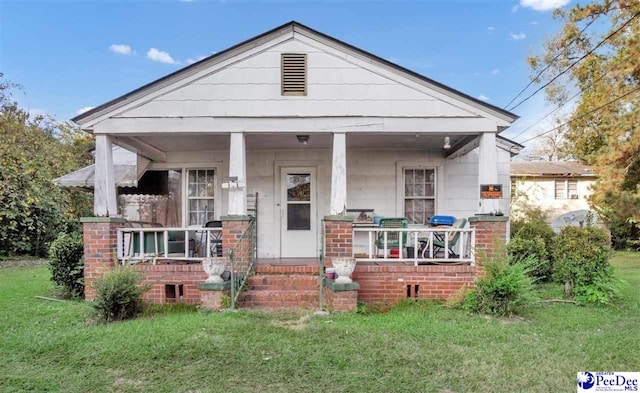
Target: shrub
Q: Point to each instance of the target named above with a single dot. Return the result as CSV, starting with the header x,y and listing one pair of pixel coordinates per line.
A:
x,y
581,256
537,228
66,263
533,254
504,291
118,295
602,291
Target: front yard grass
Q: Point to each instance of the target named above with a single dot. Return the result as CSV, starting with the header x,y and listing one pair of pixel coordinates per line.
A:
x,y
423,347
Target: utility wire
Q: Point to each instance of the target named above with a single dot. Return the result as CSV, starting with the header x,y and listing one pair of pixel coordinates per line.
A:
x,y
568,100
583,115
577,61
551,62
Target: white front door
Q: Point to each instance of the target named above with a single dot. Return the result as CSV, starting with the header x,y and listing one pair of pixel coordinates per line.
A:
x,y
298,213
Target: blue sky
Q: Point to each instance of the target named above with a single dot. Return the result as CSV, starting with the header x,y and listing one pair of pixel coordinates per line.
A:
x,y
70,55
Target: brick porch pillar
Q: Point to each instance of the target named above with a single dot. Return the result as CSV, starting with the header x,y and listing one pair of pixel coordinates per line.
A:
x,y
338,237
232,229
99,237
491,235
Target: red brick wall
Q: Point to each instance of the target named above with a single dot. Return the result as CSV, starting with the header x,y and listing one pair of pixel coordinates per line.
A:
x,y
99,252
160,275
389,283
338,239
341,300
491,237
232,230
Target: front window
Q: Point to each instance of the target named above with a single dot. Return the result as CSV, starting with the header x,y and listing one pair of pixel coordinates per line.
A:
x,y
419,195
201,196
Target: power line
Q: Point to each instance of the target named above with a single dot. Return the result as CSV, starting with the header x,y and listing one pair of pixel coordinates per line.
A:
x,y
583,115
551,62
577,61
568,100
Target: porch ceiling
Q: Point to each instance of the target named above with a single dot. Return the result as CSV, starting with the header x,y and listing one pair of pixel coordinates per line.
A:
x,y
200,142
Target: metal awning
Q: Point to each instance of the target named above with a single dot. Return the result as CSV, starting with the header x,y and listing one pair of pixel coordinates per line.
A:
x,y
125,176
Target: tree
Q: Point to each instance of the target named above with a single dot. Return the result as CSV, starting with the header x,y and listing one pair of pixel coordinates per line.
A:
x,y
34,151
550,147
603,128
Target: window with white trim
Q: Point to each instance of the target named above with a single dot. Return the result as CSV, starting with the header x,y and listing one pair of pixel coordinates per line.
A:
x,y
419,194
201,186
566,189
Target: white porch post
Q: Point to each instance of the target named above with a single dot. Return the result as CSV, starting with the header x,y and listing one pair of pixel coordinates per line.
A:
x,y
104,191
488,170
238,169
338,204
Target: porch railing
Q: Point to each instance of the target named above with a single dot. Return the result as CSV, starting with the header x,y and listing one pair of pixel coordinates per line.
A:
x,y
242,258
151,244
429,245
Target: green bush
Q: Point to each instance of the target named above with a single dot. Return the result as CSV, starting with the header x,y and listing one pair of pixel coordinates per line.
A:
x,y
581,257
66,263
537,228
602,291
533,254
118,295
506,289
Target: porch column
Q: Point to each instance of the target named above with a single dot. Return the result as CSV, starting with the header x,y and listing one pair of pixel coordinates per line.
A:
x,y
104,195
237,170
338,204
488,170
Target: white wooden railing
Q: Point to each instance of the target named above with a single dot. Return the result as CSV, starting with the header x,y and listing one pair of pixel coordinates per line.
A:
x,y
430,245
151,244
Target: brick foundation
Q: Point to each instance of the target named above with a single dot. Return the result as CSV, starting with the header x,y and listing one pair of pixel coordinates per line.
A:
x,y
491,235
232,229
99,237
338,238
189,276
389,283
340,297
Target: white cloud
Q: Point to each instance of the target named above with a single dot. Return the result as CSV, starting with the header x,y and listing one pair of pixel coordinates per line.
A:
x,y
491,29
121,49
517,36
160,56
534,23
192,60
83,110
186,1
483,97
515,8
495,71
476,73
544,5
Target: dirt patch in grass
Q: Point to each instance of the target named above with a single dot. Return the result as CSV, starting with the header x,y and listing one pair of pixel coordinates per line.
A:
x,y
5,263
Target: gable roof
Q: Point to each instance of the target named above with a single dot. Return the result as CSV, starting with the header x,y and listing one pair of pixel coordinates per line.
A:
x,y
550,168
287,27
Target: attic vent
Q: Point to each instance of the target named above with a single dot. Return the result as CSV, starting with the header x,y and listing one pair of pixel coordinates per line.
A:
x,y
294,74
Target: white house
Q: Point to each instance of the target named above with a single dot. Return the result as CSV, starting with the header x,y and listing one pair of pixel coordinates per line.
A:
x,y
558,188
311,125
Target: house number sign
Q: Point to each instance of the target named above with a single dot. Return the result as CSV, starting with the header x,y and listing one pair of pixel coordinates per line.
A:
x,y
491,191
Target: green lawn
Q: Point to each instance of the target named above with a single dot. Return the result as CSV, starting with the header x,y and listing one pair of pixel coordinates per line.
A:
x,y
47,346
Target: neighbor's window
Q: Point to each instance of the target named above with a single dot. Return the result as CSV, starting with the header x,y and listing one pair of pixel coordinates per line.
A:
x,y
294,74
419,195
566,188
201,196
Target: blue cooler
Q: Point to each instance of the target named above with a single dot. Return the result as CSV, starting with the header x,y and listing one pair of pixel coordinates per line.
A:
x,y
442,220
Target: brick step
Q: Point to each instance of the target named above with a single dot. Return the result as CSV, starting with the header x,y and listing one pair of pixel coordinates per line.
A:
x,y
296,282
279,299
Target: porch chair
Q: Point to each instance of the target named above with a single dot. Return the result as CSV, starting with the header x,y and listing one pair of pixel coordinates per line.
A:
x,y
393,238
439,244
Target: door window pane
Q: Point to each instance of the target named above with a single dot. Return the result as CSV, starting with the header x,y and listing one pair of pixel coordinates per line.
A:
x,y
201,190
298,216
299,187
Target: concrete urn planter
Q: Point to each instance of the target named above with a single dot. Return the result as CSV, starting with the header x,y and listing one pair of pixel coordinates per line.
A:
x,y
344,267
214,267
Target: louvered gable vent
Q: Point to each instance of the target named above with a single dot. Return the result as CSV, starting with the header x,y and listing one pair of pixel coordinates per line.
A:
x,y
294,74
